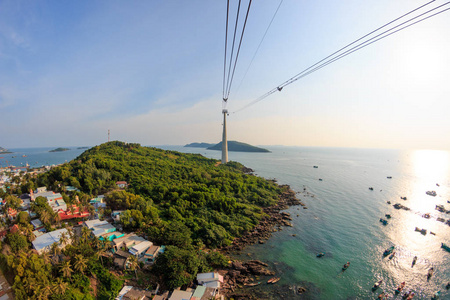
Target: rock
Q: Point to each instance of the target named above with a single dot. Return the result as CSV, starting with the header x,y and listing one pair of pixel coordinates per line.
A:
x,y
301,290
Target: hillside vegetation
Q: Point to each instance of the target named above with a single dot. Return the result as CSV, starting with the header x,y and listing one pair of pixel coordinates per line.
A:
x,y
175,198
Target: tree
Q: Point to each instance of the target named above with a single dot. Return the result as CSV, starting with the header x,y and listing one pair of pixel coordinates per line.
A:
x,y
80,263
12,202
133,264
23,218
60,286
66,270
17,242
63,239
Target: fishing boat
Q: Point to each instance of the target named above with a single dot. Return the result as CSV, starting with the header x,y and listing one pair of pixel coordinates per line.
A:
x,y
345,267
445,247
252,284
388,251
320,254
436,295
414,261
430,273
392,255
388,216
382,296
400,287
385,222
377,285
275,280
422,231
431,193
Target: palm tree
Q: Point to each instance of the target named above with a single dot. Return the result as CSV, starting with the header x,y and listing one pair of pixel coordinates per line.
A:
x,y
60,286
85,233
63,239
55,250
133,264
43,292
66,269
46,257
80,263
45,217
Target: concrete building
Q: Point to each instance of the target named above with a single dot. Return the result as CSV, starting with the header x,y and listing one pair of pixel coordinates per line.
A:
x,y
44,242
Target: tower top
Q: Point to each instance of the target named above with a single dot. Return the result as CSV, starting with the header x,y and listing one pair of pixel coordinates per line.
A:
x,y
224,111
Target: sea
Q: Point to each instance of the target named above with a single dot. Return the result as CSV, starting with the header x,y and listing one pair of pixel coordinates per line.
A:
x,y
342,219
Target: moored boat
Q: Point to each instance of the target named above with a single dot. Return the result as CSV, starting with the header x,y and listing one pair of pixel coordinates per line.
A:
x,y
252,284
445,247
414,261
436,295
377,285
385,222
400,287
345,267
388,216
320,254
388,251
276,280
430,272
392,255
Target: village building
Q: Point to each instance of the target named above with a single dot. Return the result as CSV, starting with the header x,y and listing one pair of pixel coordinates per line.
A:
x,y
133,293
127,241
122,184
211,279
139,249
44,242
181,295
102,229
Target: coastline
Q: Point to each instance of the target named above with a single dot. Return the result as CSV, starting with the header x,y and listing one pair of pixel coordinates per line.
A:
x,y
243,273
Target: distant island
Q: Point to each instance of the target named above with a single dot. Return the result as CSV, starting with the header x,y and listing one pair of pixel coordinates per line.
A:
x,y
83,148
3,150
59,150
199,145
232,146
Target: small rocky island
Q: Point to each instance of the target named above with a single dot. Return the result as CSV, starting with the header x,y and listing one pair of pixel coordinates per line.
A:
x,y
232,146
59,150
3,150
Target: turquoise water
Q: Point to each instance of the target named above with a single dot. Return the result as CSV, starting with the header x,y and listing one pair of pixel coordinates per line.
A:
x,y
342,219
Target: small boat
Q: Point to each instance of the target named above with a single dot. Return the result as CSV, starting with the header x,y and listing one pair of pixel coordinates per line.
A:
x,y
422,231
430,273
411,295
345,267
389,177
436,295
431,193
24,155
276,280
320,254
403,198
315,167
414,261
320,179
385,222
388,251
392,255
252,284
387,216
388,202
426,216
377,285
400,287
382,296
273,280
371,188
447,286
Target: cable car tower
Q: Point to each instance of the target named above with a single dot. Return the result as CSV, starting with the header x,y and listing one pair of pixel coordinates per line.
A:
x,y
224,134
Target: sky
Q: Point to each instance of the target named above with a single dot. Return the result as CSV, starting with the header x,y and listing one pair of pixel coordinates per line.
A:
x,y
151,72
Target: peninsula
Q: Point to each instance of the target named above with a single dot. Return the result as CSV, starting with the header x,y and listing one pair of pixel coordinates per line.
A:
x,y
59,150
199,145
3,150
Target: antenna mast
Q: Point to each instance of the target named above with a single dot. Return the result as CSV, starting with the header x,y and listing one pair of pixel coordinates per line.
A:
x,y
108,135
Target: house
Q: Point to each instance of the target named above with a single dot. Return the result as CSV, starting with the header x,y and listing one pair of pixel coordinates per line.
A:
x,y
211,279
181,295
110,236
133,293
100,228
204,293
71,212
152,252
139,249
127,241
122,184
121,259
116,215
44,242
37,224
56,202
14,228
99,201
70,188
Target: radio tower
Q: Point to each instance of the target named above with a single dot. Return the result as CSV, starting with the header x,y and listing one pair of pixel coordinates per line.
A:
x,y
224,137
108,135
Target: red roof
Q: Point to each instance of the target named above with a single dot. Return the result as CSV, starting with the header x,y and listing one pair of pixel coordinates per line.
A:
x,y
14,228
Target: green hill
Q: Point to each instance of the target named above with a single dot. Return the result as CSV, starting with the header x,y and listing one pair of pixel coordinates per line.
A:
x,y
173,197
238,147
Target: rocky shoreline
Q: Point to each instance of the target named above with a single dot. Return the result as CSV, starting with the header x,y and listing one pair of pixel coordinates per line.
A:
x,y
239,274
